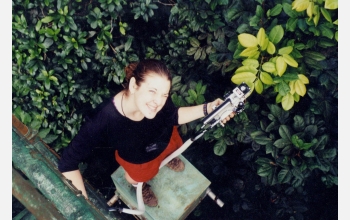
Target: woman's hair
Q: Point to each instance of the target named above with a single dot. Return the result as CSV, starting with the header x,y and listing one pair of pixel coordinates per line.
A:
x,y
140,70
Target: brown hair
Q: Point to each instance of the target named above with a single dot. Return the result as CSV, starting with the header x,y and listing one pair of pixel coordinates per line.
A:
x,y
141,69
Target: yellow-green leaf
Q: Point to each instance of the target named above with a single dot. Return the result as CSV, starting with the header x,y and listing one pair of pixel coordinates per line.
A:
x,y
250,69
296,97
47,19
100,44
300,87
331,4
310,9
279,98
243,77
271,49
316,12
300,5
326,14
266,78
194,42
251,62
198,54
259,87
281,66
122,30
261,37
269,67
247,40
292,87
303,78
290,60
249,51
287,102
265,44
285,50
255,55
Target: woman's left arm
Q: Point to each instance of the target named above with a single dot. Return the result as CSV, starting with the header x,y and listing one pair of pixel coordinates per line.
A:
x,y
188,114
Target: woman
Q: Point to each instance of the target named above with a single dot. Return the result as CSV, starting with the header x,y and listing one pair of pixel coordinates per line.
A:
x,y
139,123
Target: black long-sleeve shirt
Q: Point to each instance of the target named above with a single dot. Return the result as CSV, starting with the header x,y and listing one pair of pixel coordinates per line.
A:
x,y
136,141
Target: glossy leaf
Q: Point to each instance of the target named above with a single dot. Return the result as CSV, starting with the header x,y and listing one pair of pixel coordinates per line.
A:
x,y
249,52
258,86
287,101
243,77
247,40
261,37
266,78
276,34
290,60
269,67
284,176
249,69
281,66
250,62
331,4
300,88
285,50
271,49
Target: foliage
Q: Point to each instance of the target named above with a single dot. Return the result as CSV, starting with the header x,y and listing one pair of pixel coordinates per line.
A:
x,y
68,56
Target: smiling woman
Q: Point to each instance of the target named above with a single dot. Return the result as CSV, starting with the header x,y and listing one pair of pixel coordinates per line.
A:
x,y
139,124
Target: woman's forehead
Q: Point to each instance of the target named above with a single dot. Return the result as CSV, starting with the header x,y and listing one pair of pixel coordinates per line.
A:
x,y
159,82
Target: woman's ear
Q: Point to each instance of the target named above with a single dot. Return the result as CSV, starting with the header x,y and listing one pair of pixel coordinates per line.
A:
x,y
132,85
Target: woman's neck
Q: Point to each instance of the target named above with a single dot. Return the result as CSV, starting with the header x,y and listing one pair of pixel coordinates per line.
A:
x,y
127,106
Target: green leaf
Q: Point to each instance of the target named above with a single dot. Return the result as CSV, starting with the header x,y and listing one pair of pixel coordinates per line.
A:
x,y
284,132
266,78
276,34
284,176
47,42
289,60
128,43
269,67
194,42
47,19
276,10
326,14
264,171
271,49
281,143
251,62
285,50
220,147
43,132
298,123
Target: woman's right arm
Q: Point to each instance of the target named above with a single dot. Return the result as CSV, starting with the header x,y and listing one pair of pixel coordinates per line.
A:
x,y
77,180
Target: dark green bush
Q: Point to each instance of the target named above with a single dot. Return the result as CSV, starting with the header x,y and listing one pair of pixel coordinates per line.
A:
x,y
67,56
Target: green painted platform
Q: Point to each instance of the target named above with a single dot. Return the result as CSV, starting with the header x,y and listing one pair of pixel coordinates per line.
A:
x,y
178,193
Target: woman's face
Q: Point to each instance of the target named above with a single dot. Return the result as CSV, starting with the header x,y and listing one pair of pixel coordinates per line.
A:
x,y
152,94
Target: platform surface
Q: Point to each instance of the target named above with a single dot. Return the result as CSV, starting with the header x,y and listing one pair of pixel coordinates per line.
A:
x,y
178,193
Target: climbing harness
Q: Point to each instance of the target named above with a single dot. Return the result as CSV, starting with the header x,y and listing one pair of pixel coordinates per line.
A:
x,y
234,102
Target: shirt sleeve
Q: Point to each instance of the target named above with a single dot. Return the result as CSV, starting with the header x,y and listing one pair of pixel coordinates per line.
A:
x,y
92,133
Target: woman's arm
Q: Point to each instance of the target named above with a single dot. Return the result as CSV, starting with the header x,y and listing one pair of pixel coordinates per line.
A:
x,y
77,180
188,114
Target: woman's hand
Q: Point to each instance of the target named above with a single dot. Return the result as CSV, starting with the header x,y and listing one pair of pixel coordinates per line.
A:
x,y
211,106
